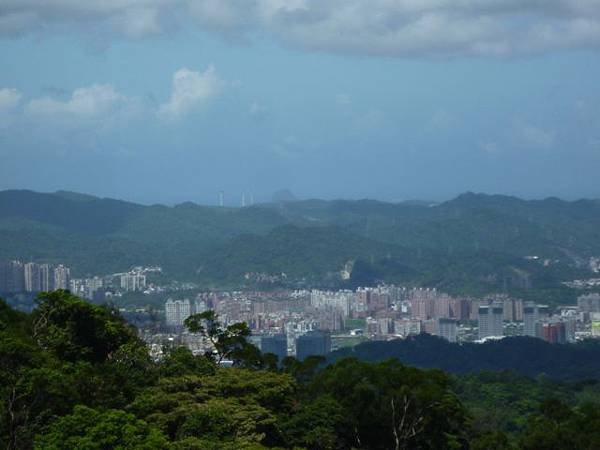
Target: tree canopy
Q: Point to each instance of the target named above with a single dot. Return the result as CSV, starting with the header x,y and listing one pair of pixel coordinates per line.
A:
x,y
76,376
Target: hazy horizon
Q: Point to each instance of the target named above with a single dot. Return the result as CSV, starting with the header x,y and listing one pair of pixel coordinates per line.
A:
x,y
235,201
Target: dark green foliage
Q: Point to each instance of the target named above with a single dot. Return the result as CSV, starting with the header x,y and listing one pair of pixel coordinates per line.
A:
x,y
559,426
93,430
388,405
315,424
230,405
180,361
525,355
70,386
229,342
298,252
76,330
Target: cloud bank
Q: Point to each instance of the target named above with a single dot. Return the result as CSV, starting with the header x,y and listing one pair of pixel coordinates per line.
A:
x,y
399,28
89,101
9,99
190,90
102,106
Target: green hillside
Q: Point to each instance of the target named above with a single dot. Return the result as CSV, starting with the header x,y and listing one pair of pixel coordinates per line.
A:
x,y
473,243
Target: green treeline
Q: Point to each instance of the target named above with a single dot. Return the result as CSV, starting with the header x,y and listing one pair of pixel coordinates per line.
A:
x,y
76,376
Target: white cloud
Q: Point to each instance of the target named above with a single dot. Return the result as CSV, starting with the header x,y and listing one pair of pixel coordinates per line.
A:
x,y
534,136
372,120
190,90
489,147
403,28
101,106
257,110
442,120
9,99
343,100
85,102
138,23
128,18
288,147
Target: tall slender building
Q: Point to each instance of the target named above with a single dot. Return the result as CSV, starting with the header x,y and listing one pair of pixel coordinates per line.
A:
x,y
490,320
529,319
33,281
12,277
62,277
447,329
46,278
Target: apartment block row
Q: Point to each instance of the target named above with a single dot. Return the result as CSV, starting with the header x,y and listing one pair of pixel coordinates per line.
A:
x,y
17,277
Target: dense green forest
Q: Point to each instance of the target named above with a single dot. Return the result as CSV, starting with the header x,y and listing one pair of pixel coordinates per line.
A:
x,y
473,244
76,376
522,355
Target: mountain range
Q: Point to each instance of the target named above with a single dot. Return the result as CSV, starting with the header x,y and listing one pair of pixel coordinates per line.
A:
x,y
475,242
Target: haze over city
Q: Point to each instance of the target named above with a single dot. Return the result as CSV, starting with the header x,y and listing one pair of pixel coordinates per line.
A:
x,y
156,101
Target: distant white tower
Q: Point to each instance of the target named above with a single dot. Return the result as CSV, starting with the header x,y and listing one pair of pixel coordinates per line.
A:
x,y
221,198
243,199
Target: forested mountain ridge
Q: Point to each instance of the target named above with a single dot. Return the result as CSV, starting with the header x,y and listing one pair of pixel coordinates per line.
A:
x,y
523,355
480,238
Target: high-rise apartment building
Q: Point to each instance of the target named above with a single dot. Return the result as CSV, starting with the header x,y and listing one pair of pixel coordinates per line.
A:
x,y
447,329
33,281
133,282
46,278
317,343
460,308
176,311
276,344
589,303
12,277
529,319
407,327
62,277
532,314
490,320
551,331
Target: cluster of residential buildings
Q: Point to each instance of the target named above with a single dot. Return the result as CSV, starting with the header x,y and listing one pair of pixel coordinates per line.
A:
x,y
99,288
386,312
176,311
133,281
18,277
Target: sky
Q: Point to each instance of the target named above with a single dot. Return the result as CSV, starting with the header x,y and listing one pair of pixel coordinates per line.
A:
x,y
165,101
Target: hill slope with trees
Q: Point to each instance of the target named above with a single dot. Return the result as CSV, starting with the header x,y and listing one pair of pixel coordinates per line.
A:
x,y
474,243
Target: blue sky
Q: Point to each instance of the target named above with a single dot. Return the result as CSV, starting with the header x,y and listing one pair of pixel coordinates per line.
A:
x,y
173,100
